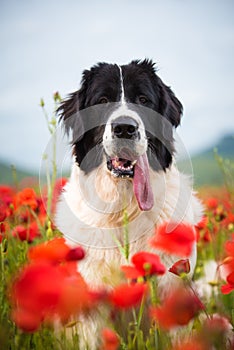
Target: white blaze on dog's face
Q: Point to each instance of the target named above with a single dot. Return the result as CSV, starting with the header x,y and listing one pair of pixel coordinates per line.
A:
x,y
125,143
131,128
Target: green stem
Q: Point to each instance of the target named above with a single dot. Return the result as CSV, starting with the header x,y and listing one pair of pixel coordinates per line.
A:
x,y
126,235
195,293
141,311
51,181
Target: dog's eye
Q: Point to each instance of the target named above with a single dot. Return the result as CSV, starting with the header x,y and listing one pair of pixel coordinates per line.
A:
x,y
103,100
143,100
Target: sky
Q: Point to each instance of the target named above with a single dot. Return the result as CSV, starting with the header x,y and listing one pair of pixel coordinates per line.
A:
x,y
46,44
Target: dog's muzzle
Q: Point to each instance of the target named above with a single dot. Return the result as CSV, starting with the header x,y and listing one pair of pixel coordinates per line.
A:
x,y
125,145
124,133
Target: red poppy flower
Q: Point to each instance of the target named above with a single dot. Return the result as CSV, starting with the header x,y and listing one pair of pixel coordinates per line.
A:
x,y
3,212
229,287
55,251
125,296
75,254
229,247
206,235
58,187
37,289
75,296
203,223
145,264
229,219
34,231
202,230
179,241
43,292
4,227
26,197
6,194
26,320
110,339
178,309
212,203
26,233
180,267
227,265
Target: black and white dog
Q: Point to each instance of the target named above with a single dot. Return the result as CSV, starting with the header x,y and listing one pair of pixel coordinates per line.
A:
x,y
122,121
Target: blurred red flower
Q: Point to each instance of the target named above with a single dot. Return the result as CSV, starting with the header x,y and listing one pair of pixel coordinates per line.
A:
x,y
76,296
227,267
3,211
212,203
203,223
75,254
179,241
110,340
44,292
229,247
229,287
145,264
41,209
229,220
26,320
125,296
26,197
58,187
26,233
55,251
180,267
202,230
6,198
6,194
178,309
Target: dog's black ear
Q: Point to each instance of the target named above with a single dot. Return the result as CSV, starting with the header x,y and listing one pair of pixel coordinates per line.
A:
x,y
68,109
76,101
169,106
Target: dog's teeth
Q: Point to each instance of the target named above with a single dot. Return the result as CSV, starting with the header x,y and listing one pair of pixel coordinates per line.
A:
x,y
114,174
134,162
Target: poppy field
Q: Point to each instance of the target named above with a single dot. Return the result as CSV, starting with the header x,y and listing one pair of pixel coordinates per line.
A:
x,y
44,298
41,286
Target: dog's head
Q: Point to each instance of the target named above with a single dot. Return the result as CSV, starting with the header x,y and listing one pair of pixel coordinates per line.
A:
x,y
130,127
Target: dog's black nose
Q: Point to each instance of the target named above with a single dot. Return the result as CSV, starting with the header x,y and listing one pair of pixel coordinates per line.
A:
x,y
125,127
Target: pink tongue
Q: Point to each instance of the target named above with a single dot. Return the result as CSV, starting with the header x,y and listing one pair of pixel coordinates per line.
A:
x,y
141,184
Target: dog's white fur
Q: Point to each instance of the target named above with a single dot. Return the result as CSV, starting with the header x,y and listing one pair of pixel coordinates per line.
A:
x,y
90,212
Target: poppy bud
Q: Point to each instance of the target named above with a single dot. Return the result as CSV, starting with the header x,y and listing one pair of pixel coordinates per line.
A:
x,y
75,254
180,267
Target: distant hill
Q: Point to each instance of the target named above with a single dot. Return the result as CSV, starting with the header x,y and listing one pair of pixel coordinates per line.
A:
x,y
206,170
9,174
